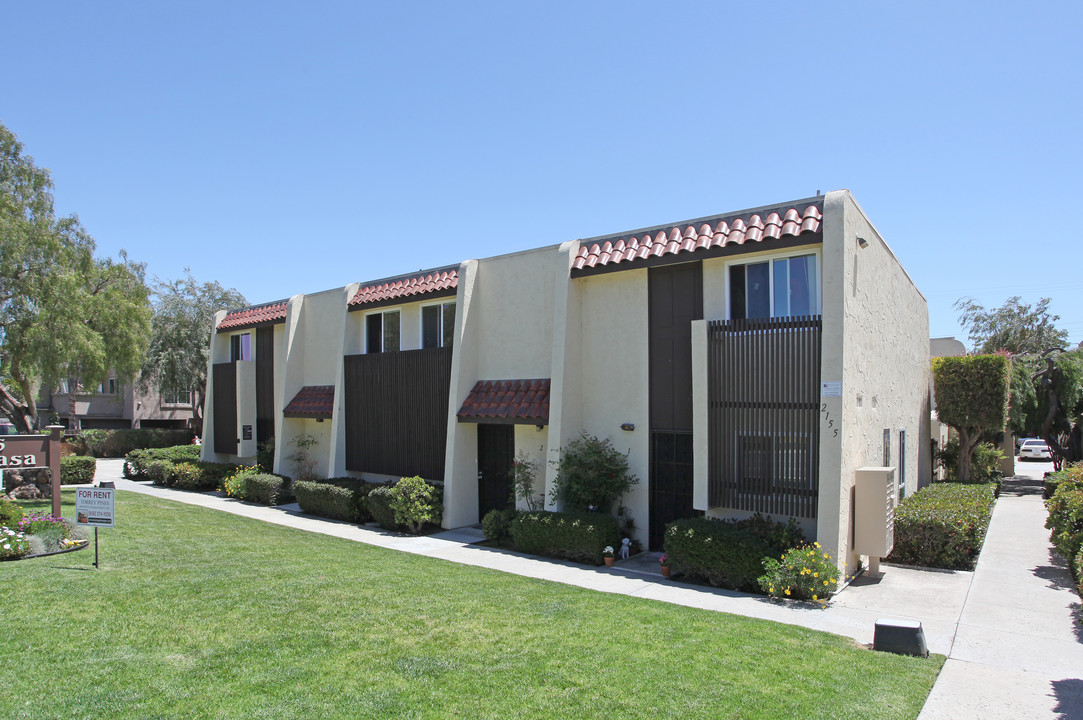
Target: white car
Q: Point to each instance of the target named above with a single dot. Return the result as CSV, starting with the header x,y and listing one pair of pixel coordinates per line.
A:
x,y
1034,450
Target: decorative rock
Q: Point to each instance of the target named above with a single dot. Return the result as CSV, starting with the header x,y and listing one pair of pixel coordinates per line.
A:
x,y
26,492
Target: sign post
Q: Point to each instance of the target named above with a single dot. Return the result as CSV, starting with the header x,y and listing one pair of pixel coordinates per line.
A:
x,y
23,452
95,506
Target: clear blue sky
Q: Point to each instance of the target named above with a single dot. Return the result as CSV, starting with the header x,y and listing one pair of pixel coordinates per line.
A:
x,y
294,147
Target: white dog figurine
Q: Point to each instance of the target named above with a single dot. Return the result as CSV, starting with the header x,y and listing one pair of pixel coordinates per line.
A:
x,y
625,546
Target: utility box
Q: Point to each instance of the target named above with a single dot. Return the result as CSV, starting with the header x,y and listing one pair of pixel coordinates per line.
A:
x,y
874,513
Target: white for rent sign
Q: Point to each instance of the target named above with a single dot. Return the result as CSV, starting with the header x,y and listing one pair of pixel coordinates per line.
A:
x,y
94,506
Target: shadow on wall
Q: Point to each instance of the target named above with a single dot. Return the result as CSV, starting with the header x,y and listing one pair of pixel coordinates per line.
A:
x,y
1069,694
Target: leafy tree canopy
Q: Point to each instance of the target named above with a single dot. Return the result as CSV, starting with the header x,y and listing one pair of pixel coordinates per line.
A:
x,y
1047,400
64,314
1015,326
972,397
179,345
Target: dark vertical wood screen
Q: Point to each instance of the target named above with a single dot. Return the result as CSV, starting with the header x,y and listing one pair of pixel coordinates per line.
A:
x,y
265,384
397,412
763,414
225,407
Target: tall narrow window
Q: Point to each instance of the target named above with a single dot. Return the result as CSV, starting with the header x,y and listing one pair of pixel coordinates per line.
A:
x,y
437,325
774,288
240,347
902,463
382,332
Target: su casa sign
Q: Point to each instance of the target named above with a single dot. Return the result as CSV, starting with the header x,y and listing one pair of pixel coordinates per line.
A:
x,y
21,452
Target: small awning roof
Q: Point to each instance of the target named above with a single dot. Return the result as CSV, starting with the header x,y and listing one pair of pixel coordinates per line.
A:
x,y
312,401
521,402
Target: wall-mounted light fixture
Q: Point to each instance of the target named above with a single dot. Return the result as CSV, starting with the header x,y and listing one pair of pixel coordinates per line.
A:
x,y
319,419
628,426
862,242
539,427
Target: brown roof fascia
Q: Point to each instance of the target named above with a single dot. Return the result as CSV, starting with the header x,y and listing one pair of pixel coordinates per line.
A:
x,y
495,420
768,245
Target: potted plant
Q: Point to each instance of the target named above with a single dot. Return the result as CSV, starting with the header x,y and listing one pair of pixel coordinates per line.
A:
x,y
607,555
663,563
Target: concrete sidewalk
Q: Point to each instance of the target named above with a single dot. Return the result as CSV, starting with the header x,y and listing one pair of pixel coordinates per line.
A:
x,y
1018,652
1009,629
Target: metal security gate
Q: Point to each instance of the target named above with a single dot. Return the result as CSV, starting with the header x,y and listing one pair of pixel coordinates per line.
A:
x,y
763,414
496,453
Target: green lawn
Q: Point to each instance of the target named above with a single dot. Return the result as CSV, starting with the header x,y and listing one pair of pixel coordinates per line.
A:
x,y
201,614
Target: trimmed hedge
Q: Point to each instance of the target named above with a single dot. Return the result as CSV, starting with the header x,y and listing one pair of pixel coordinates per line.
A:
x,y
136,461
160,472
327,500
496,525
577,536
268,489
943,525
379,506
1077,569
190,476
1072,475
716,552
77,470
1066,519
118,443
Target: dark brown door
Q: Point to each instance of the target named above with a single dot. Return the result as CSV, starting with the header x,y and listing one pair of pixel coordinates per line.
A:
x,y
496,453
225,408
675,300
265,384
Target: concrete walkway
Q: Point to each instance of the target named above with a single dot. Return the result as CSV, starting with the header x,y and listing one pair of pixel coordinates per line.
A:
x,y
1018,651
1012,629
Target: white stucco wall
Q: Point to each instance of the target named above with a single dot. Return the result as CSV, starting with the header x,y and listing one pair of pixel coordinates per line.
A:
x,y
611,348
875,341
504,331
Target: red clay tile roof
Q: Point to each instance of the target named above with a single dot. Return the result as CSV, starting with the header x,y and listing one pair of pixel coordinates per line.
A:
x,y
712,233
274,312
508,401
314,401
423,283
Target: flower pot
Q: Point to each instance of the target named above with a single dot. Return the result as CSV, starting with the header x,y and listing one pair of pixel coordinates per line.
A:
x,y
665,571
609,561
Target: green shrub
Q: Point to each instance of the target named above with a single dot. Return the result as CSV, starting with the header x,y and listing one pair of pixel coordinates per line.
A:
x,y
984,463
265,455
591,475
160,472
1072,475
137,461
379,506
236,484
118,443
779,536
215,473
577,536
326,500
1077,570
416,503
77,470
268,489
715,552
189,476
11,512
1066,519
360,489
497,524
943,525
802,573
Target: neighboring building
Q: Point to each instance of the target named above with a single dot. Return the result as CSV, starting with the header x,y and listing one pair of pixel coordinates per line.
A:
x,y
746,362
114,405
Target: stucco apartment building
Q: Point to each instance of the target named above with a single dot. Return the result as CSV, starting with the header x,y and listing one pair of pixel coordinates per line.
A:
x,y
746,362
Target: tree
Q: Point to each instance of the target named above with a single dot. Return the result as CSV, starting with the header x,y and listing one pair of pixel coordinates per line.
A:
x,y
64,315
179,345
1047,401
1015,326
972,397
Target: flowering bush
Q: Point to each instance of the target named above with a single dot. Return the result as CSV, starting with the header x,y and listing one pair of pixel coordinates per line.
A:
x,y
236,485
49,532
607,552
11,512
803,573
591,475
13,544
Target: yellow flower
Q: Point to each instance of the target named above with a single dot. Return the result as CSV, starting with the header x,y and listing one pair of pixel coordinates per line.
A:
x,y
770,589
826,556
816,544
787,591
825,582
815,598
833,580
815,574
